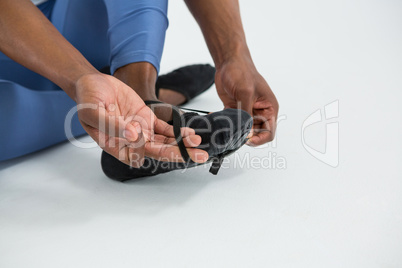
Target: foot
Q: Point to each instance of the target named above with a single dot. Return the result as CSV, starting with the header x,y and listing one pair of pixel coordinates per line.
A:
x,y
185,83
172,97
174,88
163,112
222,133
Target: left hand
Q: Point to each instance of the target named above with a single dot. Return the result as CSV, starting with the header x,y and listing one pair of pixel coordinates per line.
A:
x,y
120,122
238,82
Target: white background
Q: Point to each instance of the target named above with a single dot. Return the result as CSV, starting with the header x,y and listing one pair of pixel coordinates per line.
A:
x,y
57,209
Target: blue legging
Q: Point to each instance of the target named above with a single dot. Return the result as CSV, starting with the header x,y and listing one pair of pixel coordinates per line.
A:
x,y
108,33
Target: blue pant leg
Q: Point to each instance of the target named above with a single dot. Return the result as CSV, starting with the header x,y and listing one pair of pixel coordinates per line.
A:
x,y
32,120
136,31
32,108
12,71
84,23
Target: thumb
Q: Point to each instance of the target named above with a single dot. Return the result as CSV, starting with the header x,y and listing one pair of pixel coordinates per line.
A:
x,y
104,119
132,131
245,101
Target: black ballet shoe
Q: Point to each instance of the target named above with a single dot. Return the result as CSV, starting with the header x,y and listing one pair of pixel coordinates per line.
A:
x,y
191,80
222,134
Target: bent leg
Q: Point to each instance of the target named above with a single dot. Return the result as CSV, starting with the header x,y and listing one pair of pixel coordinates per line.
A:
x,y
84,23
136,31
32,120
12,71
33,109
114,32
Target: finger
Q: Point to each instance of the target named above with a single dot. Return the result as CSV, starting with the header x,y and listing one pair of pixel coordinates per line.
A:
x,y
262,104
263,133
104,119
135,152
259,139
130,153
189,141
163,128
171,153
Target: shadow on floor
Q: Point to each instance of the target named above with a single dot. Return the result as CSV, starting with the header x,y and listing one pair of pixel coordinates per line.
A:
x,y
65,185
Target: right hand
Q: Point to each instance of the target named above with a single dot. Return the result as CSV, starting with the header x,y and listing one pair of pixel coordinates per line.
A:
x,y
120,122
238,82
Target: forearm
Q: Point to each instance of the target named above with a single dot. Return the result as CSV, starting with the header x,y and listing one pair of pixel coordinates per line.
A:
x,y
28,37
222,28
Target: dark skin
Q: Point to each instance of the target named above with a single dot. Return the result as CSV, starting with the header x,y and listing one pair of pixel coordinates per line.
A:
x,y
30,39
131,130
238,83
237,80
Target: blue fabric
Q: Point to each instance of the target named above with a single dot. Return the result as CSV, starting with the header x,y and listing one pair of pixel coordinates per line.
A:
x,y
32,120
108,33
136,31
47,8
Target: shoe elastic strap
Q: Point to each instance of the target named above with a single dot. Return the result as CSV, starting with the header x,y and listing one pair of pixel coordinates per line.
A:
x,y
177,133
194,110
150,102
216,164
216,161
176,129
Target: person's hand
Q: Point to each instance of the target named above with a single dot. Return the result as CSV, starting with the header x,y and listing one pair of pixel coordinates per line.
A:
x,y
239,85
120,122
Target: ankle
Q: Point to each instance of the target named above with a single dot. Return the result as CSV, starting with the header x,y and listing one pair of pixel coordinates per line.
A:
x,y
171,97
141,77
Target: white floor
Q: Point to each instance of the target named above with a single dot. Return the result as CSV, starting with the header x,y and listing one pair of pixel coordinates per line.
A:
x,y
57,209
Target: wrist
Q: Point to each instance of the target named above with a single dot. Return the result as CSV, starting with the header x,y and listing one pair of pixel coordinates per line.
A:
x,y
71,78
227,51
240,59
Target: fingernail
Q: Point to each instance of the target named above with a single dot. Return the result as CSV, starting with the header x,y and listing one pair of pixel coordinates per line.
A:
x,y
205,157
127,134
138,128
201,157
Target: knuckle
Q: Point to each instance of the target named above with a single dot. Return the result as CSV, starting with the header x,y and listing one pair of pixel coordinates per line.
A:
x,y
166,129
246,90
166,140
